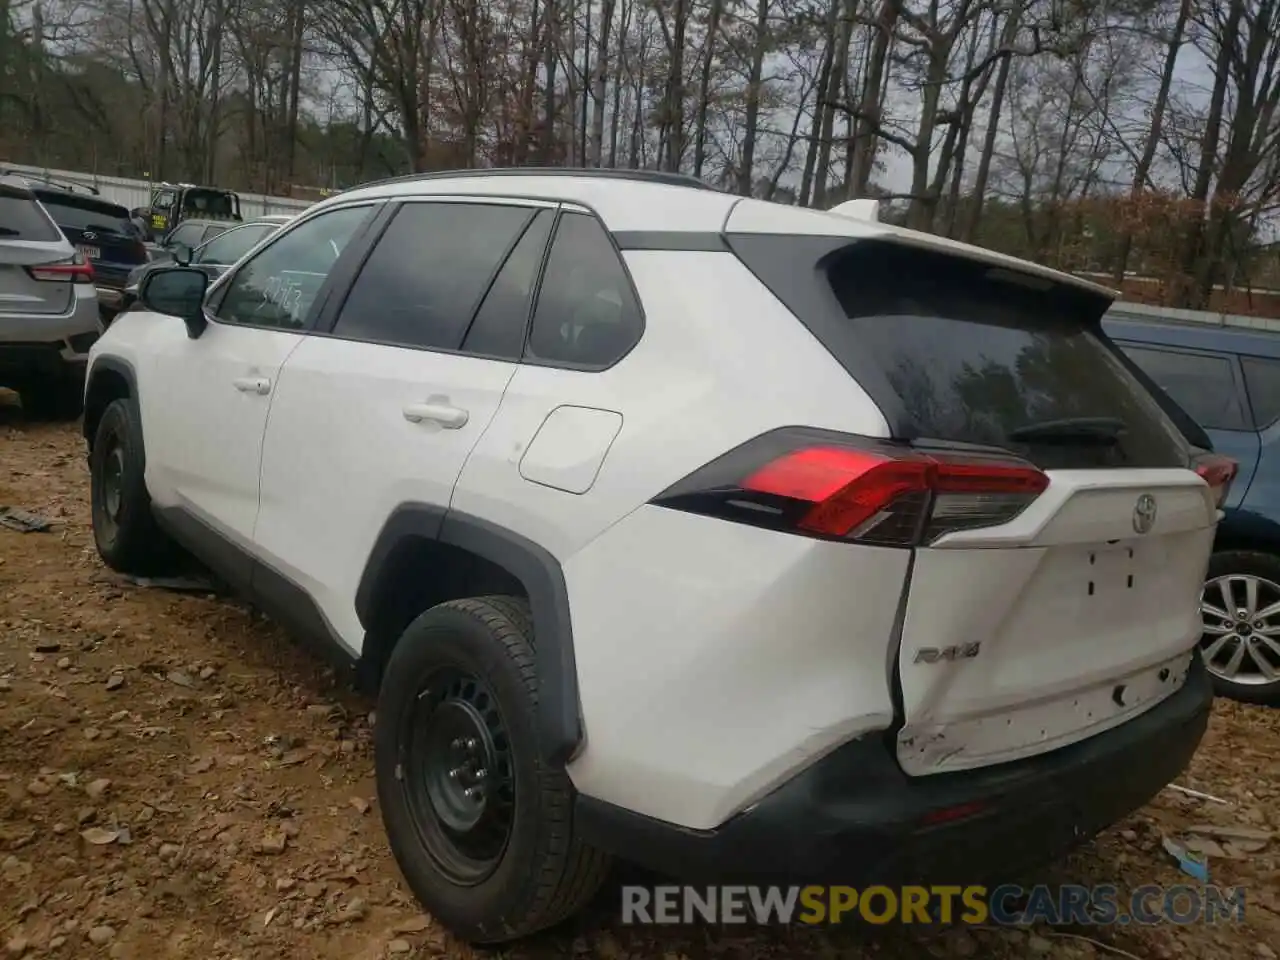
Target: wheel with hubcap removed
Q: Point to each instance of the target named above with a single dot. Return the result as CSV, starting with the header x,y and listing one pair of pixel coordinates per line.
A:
x,y
124,529
480,826
1240,612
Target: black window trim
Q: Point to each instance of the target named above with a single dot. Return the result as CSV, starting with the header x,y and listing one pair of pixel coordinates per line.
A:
x,y
339,277
1258,425
1233,363
324,322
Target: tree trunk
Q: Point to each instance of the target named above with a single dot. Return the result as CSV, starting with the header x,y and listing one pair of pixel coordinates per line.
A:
x,y
754,79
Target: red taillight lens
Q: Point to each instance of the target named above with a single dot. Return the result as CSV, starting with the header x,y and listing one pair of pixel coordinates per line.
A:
x,y
75,270
852,489
1217,472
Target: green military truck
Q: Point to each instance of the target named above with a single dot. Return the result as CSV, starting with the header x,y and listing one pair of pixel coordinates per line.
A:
x,y
171,203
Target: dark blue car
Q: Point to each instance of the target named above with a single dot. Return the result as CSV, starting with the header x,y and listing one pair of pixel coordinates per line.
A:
x,y
1225,373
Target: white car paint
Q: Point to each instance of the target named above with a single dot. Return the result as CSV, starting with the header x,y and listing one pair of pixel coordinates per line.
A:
x,y
715,660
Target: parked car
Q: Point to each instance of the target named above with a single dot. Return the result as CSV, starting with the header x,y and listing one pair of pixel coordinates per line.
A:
x,y
100,229
213,256
1228,379
48,307
173,203
728,537
187,235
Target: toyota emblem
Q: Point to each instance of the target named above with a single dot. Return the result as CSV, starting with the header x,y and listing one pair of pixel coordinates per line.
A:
x,y
89,235
1144,513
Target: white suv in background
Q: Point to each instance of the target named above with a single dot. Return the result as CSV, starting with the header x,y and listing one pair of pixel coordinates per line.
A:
x,y
739,540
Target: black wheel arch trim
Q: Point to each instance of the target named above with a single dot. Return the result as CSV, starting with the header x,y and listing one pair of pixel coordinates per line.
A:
x,y
560,718
117,365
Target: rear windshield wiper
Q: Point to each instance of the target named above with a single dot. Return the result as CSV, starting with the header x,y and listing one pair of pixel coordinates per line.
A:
x,y
1102,430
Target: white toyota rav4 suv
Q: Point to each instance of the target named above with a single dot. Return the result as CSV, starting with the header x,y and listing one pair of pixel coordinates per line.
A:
x,y
738,540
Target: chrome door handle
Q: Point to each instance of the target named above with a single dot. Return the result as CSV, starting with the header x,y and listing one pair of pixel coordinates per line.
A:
x,y
259,385
451,418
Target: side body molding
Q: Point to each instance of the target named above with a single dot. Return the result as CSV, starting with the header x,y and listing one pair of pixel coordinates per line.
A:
x,y
560,718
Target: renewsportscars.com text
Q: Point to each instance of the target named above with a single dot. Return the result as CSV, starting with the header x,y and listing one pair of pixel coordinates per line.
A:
x,y
1004,905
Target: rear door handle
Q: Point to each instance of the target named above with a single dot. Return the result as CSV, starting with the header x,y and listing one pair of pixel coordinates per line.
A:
x,y
451,418
259,385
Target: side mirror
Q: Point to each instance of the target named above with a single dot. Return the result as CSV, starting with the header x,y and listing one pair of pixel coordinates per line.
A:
x,y
181,253
178,291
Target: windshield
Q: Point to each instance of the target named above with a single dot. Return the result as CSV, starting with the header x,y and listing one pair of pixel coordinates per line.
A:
x,y
213,203
79,213
21,217
164,198
982,355
234,244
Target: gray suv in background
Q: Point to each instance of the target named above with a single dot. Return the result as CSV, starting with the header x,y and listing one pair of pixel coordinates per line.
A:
x,y
48,307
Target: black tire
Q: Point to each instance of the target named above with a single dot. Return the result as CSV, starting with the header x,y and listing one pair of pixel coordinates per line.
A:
x,y
1264,569
56,397
124,528
542,874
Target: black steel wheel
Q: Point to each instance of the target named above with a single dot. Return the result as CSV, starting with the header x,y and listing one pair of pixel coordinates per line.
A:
x,y
480,824
459,781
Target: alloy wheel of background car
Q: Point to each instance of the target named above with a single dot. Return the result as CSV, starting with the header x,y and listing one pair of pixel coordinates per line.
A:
x,y
1241,639
458,778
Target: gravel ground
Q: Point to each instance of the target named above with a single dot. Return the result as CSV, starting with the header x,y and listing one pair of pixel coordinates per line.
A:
x,y
178,780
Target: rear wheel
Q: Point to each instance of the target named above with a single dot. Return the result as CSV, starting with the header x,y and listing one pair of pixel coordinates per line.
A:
x,y
1240,610
481,828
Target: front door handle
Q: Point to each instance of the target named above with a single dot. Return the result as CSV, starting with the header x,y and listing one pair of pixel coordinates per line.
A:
x,y
259,385
451,418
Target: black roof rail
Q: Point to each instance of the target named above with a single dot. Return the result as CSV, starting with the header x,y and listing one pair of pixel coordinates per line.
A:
x,y
71,186
599,173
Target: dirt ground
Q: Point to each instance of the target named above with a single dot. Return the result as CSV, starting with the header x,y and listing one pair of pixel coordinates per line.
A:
x,y
178,780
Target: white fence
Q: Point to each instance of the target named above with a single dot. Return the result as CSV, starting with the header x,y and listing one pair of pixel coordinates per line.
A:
x,y
137,193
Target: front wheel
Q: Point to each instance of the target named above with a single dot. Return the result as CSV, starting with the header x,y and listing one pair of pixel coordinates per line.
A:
x,y
124,530
1240,611
481,828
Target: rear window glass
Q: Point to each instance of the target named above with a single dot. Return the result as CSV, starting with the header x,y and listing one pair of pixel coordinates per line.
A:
x,y
980,355
74,213
211,202
22,219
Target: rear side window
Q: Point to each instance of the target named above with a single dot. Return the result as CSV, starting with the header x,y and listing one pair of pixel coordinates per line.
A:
x,y
77,213
1202,384
978,354
587,314
424,280
22,219
1262,378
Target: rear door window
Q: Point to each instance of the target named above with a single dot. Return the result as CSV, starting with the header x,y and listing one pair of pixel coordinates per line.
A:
x,y
1203,384
22,219
978,354
425,279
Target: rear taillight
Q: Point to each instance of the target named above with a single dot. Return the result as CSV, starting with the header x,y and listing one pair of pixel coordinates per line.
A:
x,y
75,270
848,488
1218,472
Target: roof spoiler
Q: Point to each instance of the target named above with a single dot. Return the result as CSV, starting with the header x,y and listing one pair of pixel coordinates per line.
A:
x,y
867,209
